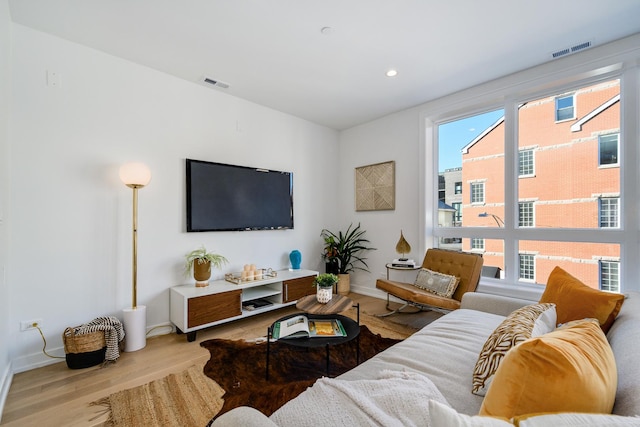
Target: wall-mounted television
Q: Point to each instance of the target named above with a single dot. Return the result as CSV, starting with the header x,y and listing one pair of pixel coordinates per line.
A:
x,y
222,197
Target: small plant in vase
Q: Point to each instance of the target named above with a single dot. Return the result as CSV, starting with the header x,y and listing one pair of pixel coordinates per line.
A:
x,y
324,284
201,262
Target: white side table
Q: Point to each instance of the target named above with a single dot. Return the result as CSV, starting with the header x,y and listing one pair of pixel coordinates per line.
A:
x,y
393,267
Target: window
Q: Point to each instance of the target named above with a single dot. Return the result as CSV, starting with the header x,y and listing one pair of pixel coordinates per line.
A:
x,y
608,149
610,276
477,192
457,217
527,268
525,163
609,212
568,212
564,108
525,214
477,244
458,187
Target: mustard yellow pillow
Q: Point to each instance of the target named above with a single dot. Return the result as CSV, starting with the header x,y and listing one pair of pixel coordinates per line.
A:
x,y
571,369
574,300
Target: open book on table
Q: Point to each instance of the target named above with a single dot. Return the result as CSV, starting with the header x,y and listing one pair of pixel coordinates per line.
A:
x,y
303,327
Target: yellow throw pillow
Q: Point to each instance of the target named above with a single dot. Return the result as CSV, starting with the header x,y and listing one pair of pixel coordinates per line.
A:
x,y
574,300
571,369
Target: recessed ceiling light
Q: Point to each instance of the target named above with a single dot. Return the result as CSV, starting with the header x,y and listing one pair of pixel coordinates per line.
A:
x,y
326,30
391,73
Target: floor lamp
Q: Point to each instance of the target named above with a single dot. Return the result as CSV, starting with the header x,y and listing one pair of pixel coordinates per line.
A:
x,y
135,176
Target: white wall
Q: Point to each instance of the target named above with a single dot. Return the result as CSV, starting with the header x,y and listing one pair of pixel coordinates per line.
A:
x,y
71,229
5,81
394,137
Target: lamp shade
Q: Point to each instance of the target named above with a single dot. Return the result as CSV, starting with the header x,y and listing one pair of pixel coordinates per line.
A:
x,y
135,174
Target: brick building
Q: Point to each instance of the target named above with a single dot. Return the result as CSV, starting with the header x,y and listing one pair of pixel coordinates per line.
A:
x,y
568,177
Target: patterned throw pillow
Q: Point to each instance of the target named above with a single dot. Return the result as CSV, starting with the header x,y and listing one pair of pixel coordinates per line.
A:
x,y
440,284
526,322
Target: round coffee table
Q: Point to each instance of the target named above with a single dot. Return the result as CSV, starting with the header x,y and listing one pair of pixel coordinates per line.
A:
x,y
352,328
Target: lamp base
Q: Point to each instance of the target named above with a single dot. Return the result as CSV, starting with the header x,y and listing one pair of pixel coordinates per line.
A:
x,y
135,328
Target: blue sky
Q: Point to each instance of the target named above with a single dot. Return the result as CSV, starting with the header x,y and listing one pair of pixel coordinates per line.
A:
x,y
453,136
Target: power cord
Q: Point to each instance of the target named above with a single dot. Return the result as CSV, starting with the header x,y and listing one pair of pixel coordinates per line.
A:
x,y
44,347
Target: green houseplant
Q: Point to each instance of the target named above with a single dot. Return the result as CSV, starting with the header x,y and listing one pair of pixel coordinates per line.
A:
x,y
324,284
201,261
344,252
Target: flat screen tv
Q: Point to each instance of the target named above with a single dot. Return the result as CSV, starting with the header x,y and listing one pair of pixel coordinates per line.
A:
x,y
222,197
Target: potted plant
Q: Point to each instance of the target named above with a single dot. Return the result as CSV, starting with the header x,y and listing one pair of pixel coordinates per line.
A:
x,y
324,284
346,250
201,261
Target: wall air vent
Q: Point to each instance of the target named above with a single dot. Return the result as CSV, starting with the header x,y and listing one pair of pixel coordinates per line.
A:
x,y
216,83
572,49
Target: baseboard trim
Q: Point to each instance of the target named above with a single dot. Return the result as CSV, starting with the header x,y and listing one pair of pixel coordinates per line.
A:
x,y
5,385
39,359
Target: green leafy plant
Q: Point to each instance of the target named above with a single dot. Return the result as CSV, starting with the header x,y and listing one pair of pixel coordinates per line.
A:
x,y
346,249
201,256
325,280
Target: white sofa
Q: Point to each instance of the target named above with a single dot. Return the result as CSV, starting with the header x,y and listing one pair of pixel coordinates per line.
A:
x,y
446,352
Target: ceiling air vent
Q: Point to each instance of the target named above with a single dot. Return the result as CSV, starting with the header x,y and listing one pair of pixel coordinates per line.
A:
x,y
216,83
572,49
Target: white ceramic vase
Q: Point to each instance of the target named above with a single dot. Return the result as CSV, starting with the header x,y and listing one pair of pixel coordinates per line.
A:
x,y
323,295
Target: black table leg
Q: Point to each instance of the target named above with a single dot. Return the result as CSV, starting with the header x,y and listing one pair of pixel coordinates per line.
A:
x,y
268,348
327,347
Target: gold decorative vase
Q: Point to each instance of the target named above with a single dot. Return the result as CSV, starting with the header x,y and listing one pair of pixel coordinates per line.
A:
x,y
202,273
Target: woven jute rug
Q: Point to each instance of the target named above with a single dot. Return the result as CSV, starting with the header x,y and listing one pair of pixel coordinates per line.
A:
x,y
187,398
190,398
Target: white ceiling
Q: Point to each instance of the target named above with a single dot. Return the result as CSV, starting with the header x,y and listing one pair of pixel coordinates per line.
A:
x,y
272,52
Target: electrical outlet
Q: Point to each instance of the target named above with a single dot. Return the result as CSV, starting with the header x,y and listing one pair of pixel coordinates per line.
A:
x,y
27,325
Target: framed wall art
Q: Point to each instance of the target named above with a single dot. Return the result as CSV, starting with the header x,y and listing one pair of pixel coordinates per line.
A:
x,y
376,187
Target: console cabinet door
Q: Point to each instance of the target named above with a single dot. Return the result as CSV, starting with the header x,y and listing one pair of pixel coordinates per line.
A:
x,y
211,308
295,289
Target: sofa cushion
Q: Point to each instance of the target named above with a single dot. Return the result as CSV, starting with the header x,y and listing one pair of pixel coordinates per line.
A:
x,y
526,322
438,283
574,300
571,369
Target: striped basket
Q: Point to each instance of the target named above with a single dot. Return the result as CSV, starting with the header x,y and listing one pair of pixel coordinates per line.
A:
x,y
83,350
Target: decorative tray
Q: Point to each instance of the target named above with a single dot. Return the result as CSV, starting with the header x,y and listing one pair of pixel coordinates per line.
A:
x,y
259,274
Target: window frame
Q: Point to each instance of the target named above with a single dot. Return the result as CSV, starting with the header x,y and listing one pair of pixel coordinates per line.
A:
x,y
533,163
508,99
609,165
532,214
601,274
473,193
601,216
557,109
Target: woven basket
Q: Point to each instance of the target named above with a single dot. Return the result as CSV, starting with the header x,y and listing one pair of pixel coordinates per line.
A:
x,y
82,343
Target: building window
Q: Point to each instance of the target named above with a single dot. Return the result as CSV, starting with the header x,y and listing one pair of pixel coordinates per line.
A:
x,y
608,149
609,208
527,267
477,192
525,163
457,216
458,187
525,214
565,108
610,276
477,244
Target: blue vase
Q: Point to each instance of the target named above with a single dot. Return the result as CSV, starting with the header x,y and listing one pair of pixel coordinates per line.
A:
x,y
296,258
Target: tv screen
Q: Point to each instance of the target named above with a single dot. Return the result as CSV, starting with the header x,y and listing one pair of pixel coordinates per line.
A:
x,y
223,197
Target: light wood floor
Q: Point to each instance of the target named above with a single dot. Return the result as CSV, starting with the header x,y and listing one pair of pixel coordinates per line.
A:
x,y
55,395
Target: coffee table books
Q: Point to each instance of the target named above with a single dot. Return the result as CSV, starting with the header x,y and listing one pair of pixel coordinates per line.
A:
x,y
302,327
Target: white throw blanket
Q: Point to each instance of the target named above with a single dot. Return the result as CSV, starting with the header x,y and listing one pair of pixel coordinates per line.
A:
x,y
395,399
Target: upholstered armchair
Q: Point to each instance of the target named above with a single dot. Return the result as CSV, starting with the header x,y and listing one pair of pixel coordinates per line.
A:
x,y
467,267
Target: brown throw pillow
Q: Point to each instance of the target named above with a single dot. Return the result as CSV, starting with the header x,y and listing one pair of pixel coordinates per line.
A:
x,y
574,300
